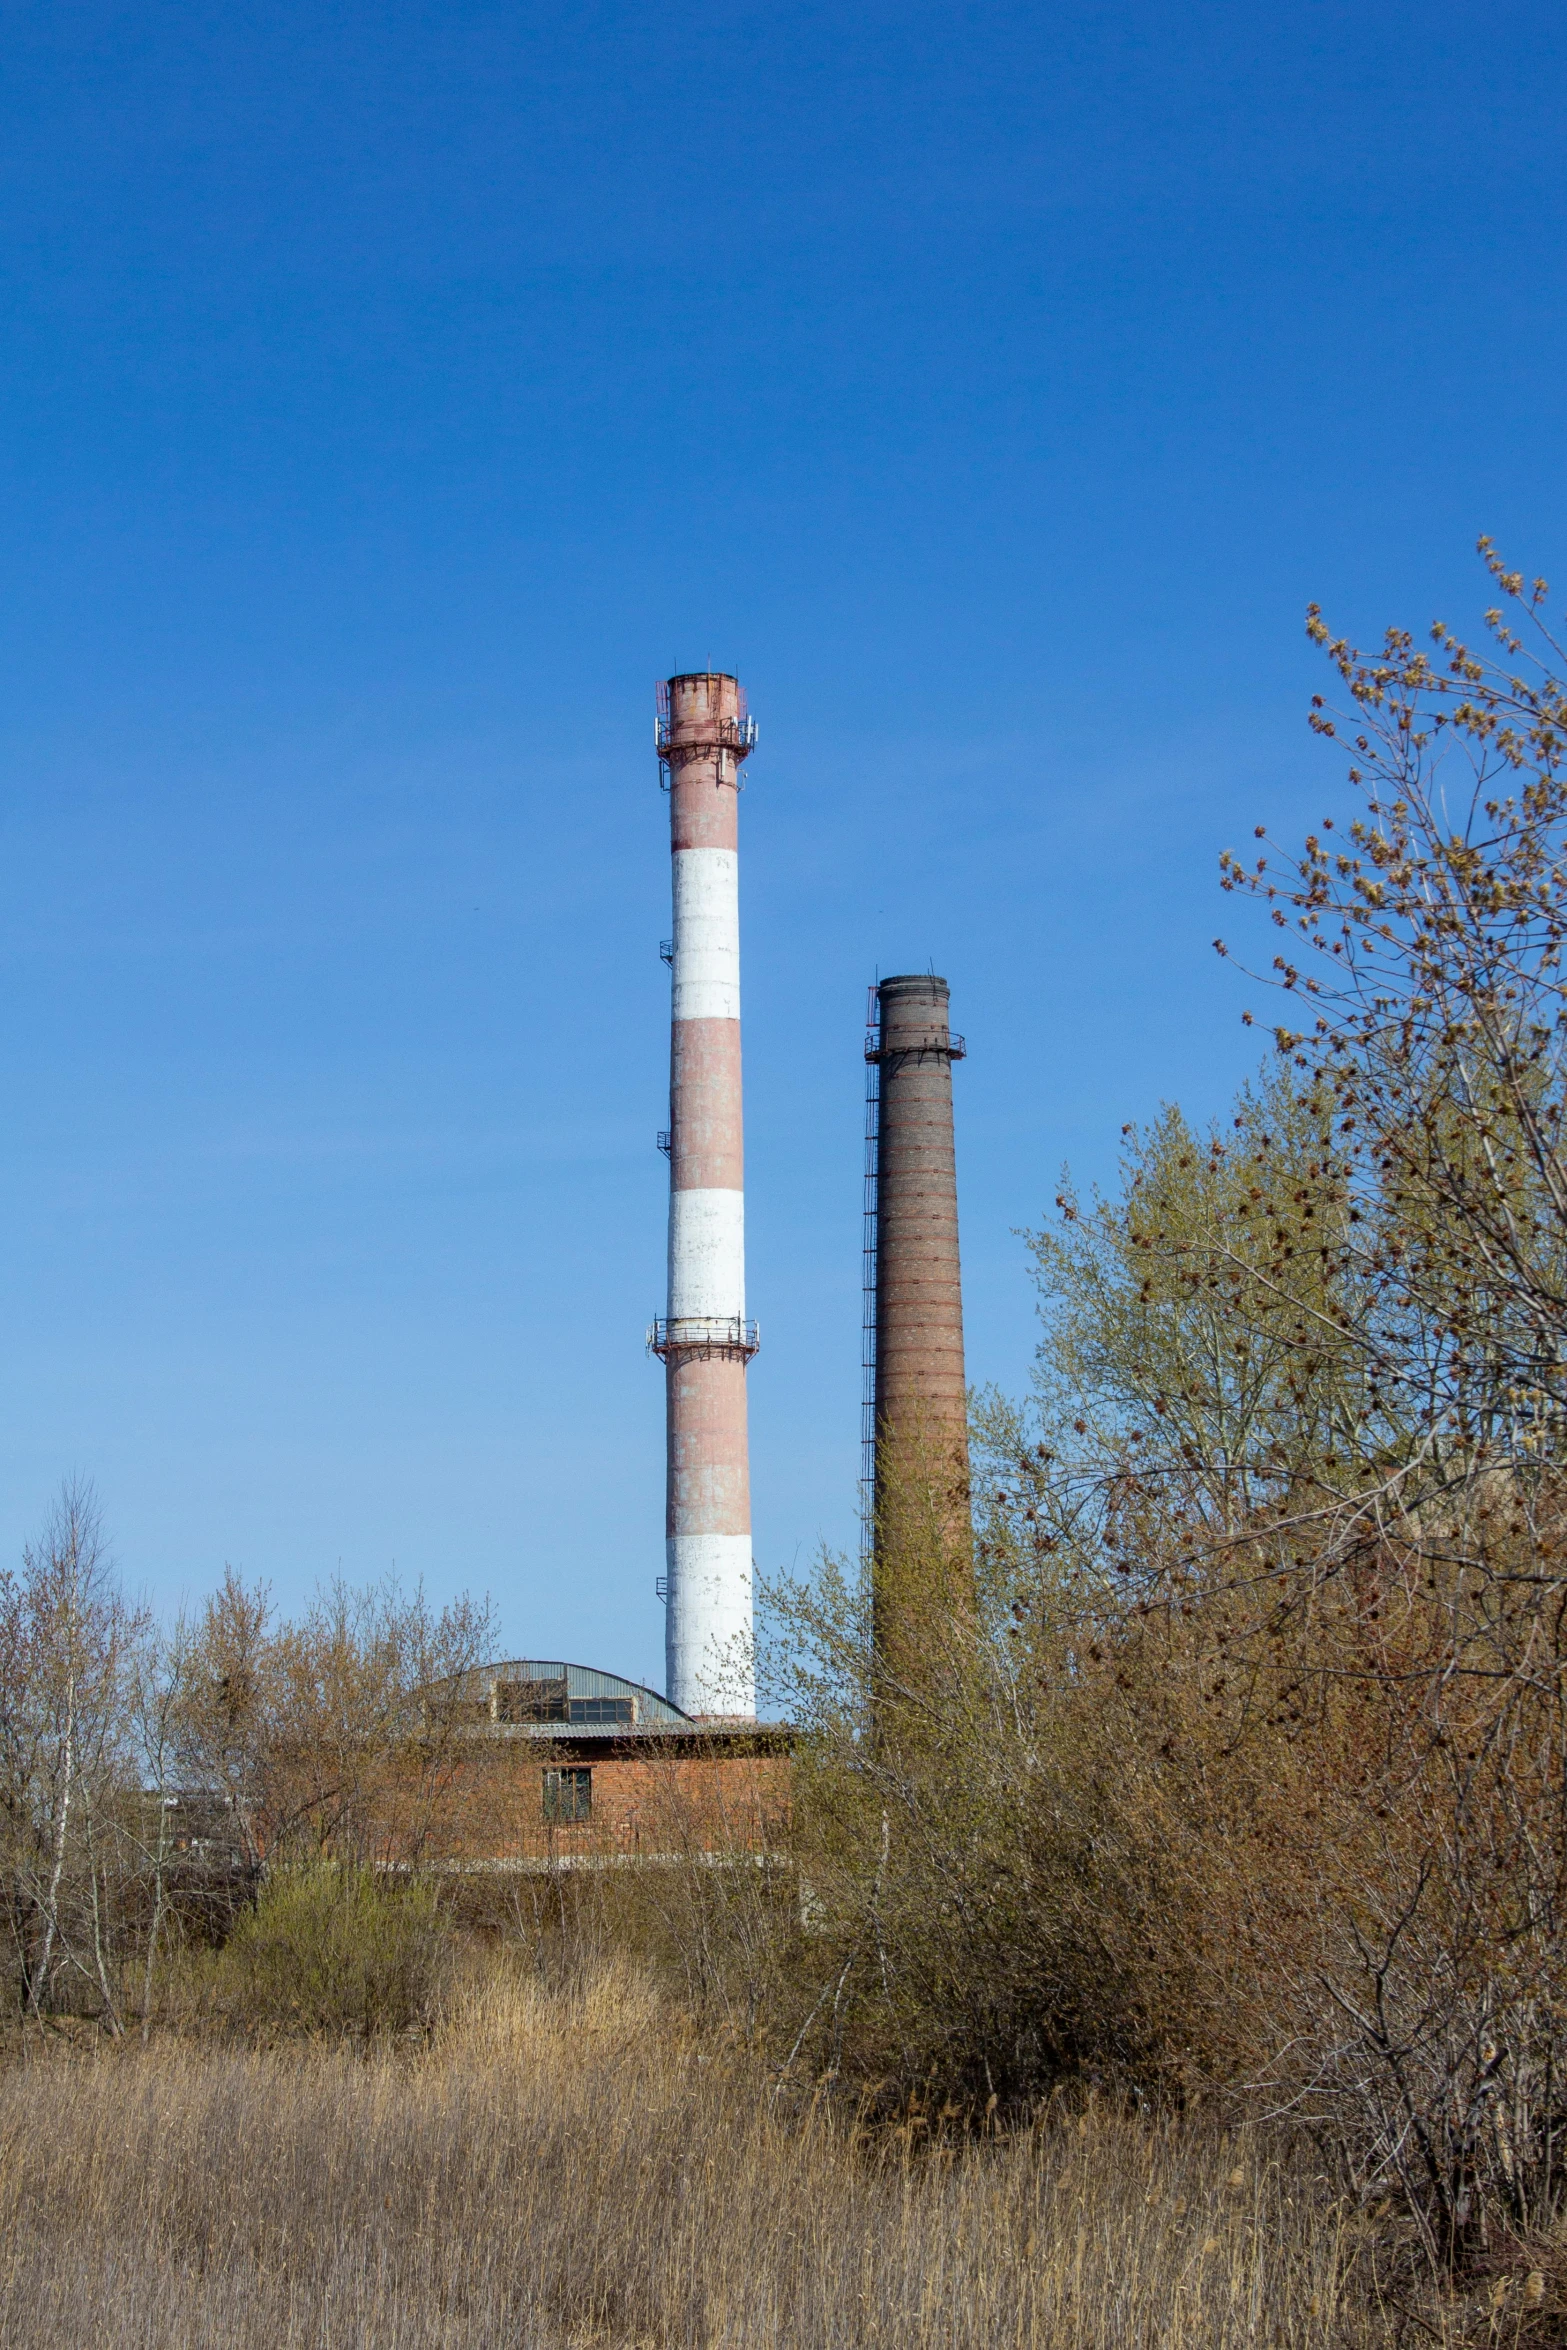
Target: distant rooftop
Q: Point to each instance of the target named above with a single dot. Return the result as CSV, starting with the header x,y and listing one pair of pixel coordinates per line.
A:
x,y
544,1696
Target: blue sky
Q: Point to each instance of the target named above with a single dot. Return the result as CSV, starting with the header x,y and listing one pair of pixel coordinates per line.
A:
x,y
388,395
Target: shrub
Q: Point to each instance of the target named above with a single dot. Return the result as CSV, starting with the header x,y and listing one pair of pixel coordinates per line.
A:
x,y
336,1951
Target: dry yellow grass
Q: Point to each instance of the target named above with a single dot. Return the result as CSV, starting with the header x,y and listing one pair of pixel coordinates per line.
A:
x,y
580,2169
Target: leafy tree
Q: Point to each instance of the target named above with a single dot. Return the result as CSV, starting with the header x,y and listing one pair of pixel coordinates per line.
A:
x,y
66,1642
1426,956
1194,1361
1249,1766
338,1733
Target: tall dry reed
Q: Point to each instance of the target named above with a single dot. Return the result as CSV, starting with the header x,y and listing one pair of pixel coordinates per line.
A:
x,y
579,2169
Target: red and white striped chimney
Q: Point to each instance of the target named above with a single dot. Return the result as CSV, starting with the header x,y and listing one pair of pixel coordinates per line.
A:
x,y
704,735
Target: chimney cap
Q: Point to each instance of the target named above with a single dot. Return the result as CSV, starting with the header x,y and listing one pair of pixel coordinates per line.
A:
x,y
914,983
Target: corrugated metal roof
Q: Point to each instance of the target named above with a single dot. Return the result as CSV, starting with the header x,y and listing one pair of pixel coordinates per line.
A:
x,y
582,1681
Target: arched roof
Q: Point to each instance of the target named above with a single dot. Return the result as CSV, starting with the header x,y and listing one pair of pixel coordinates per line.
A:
x,y
580,1687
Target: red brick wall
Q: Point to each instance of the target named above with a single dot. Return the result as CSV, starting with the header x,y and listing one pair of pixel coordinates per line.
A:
x,y
493,1809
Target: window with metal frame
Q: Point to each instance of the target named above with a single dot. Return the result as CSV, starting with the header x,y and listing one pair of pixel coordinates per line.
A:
x,y
532,1701
568,1795
602,1710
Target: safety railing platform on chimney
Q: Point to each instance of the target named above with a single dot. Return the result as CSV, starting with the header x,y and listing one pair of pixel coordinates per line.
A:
x,y
953,1046
702,1334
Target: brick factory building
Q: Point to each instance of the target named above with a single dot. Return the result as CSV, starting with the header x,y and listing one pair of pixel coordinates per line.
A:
x,y
557,1763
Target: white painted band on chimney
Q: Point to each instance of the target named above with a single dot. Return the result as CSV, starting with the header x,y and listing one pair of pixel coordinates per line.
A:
x,y
706,1253
707,934
709,1643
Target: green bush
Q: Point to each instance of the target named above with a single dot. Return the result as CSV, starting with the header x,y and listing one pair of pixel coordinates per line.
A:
x,y
336,1951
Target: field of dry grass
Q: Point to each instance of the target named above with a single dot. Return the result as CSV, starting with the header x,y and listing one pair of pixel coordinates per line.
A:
x,y
556,2170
